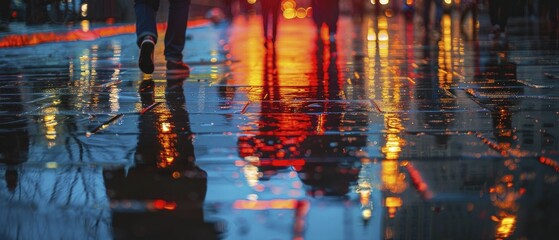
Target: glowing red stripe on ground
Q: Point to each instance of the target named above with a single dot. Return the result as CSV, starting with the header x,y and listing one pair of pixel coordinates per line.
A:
x,y
28,39
549,162
418,182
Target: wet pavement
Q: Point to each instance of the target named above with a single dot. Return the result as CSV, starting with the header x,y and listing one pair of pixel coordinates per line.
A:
x,y
387,133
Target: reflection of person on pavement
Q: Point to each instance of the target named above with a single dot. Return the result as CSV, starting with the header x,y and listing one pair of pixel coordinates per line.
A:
x,y
165,180
326,12
273,130
14,139
435,106
270,11
499,80
329,169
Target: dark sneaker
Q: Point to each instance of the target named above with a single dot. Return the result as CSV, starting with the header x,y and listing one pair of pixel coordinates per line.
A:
x,y
146,55
177,67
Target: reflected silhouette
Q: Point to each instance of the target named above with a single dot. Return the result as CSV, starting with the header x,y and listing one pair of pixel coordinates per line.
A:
x,y
162,194
499,86
14,137
326,12
325,162
331,166
275,135
435,105
270,12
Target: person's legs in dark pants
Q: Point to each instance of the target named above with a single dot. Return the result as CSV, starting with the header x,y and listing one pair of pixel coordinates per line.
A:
x,y
275,16
175,36
4,14
318,15
146,12
270,9
332,16
266,7
146,32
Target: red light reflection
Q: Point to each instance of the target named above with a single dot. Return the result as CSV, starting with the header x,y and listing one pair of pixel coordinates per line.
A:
x,y
20,40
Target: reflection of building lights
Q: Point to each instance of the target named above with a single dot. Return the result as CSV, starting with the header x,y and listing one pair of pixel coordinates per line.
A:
x,y
251,1
382,2
364,184
392,203
366,214
506,227
287,4
392,179
51,165
113,98
383,35
301,13
165,127
251,174
265,204
448,2
84,10
85,25
289,13
50,124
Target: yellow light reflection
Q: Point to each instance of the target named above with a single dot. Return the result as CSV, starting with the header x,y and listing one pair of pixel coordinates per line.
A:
x,y
85,25
251,174
289,13
287,4
50,123
366,214
113,98
392,204
506,227
167,140
84,10
445,56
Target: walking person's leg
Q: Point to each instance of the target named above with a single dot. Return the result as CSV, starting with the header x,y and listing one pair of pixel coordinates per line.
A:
x,y
175,36
275,17
4,14
265,5
146,32
426,14
494,17
438,14
332,18
504,13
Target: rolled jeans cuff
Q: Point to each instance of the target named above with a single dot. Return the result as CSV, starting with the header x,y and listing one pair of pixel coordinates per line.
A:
x,y
143,34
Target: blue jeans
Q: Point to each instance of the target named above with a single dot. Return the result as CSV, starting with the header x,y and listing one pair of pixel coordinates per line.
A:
x,y
175,36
